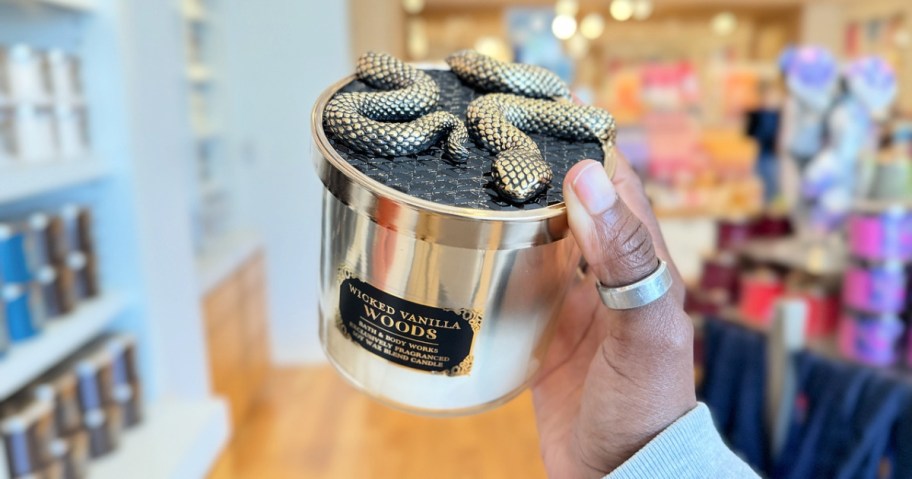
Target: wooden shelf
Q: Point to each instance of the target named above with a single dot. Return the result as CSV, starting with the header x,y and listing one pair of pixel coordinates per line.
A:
x,y
178,439
63,336
824,259
21,181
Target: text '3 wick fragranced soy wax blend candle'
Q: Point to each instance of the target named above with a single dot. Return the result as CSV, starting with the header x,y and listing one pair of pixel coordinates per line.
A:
x,y
445,245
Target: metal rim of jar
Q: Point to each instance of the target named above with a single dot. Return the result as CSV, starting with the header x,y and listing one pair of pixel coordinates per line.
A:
x,y
425,219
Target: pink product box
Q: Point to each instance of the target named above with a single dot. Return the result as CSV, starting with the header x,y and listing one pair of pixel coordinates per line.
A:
x,y
877,288
886,235
872,340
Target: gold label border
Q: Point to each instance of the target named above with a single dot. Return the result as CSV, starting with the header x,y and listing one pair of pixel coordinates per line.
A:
x,y
473,318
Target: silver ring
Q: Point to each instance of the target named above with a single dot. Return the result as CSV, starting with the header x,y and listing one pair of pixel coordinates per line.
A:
x,y
638,294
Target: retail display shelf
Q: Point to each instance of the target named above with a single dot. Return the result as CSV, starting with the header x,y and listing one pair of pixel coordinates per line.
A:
x,y
199,74
223,256
818,259
63,336
77,5
77,102
21,181
206,132
195,13
179,439
212,188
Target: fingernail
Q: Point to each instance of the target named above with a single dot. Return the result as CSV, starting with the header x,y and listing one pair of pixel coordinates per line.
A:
x,y
594,189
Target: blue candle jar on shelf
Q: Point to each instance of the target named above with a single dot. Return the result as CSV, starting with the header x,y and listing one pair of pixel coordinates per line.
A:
x,y
14,265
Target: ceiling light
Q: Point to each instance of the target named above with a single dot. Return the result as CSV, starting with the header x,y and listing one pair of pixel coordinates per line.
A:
x,y
413,7
592,26
416,39
563,26
724,23
577,47
566,7
642,9
621,10
495,48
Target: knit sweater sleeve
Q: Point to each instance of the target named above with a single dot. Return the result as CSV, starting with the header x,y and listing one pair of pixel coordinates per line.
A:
x,y
690,448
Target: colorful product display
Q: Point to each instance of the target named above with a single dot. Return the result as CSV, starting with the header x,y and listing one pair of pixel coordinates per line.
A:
x,y
14,267
823,307
870,339
23,311
875,288
75,412
760,290
880,234
47,266
768,226
47,120
732,233
27,436
720,273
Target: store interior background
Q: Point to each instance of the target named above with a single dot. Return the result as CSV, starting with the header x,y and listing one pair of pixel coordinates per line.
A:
x,y
196,163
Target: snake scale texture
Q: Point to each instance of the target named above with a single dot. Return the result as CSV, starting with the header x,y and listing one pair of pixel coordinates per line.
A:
x,y
524,98
398,121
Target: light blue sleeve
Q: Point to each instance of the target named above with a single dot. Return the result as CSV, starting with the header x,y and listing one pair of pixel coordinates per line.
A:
x,y
690,448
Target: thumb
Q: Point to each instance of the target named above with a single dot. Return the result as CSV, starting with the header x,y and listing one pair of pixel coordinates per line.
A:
x,y
641,378
615,243
620,251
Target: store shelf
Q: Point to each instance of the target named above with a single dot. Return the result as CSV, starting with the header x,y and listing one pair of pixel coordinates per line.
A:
x,y
212,188
224,256
206,132
179,439
195,13
20,181
63,336
824,259
77,5
199,74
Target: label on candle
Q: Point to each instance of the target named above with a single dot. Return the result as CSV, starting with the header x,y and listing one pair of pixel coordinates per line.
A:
x,y
417,336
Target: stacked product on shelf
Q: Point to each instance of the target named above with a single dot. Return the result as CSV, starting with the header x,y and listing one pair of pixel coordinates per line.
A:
x,y
214,206
48,265
698,170
42,111
74,413
757,265
875,284
723,284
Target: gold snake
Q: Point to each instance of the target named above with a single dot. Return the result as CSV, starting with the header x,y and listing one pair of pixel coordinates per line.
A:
x,y
396,122
496,120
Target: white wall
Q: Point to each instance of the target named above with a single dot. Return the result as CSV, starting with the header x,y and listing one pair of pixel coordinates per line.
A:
x,y
157,129
279,55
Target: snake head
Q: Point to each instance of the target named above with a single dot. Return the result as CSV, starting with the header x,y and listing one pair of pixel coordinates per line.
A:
x,y
520,175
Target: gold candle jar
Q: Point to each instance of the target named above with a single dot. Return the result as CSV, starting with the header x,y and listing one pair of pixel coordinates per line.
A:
x,y
430,307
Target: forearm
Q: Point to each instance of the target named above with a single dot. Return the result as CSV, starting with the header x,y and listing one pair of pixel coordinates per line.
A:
x,y
690,448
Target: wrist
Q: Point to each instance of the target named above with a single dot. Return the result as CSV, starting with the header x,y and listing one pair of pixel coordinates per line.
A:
x,y
597,454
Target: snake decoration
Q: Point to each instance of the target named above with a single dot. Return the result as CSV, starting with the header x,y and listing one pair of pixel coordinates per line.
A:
x,y
398,121
522,98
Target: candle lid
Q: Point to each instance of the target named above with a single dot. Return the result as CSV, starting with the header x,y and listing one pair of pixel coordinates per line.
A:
x,y
437,199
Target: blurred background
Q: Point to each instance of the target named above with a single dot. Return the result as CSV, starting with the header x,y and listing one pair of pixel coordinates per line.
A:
x,y
159,220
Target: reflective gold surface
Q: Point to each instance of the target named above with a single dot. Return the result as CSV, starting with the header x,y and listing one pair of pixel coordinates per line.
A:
x,y
516,290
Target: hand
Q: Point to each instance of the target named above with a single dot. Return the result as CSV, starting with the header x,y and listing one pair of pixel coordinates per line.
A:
x,y
612,380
